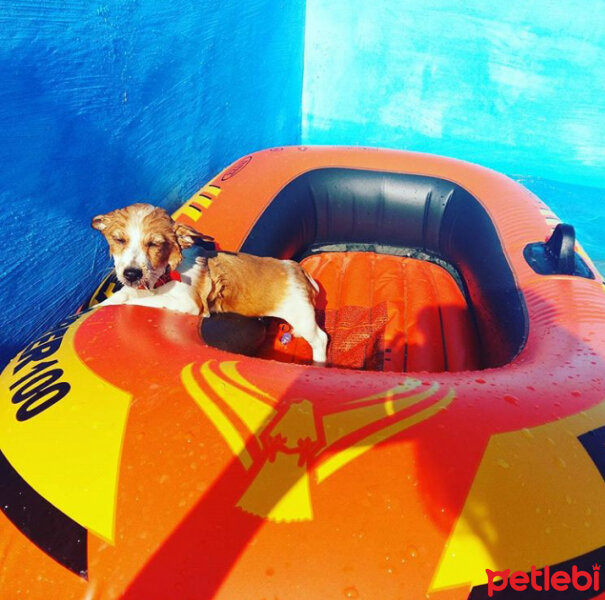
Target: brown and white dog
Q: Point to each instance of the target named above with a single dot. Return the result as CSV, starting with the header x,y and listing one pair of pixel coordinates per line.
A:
x,y
147,245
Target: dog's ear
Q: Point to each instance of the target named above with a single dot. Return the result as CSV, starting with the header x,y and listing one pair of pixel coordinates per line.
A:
x,y
175,256
187,235
99,222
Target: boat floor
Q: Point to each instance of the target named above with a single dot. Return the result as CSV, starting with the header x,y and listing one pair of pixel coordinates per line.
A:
x,y
384,313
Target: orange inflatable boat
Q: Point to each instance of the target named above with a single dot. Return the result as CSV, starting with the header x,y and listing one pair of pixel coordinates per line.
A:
x,y
453,448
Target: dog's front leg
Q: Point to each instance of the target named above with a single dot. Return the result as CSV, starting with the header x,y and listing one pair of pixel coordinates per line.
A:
x,y
122,296
174,295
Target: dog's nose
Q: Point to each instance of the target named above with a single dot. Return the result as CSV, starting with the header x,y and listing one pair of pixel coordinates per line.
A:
x,y
132,274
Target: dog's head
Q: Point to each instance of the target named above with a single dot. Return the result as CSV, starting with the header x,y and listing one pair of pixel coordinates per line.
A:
x,y
143,240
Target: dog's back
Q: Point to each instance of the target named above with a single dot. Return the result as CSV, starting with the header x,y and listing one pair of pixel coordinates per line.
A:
x,y
254,285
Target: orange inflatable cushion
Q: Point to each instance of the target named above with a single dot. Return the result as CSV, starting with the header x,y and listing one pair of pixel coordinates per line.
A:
x,y
384,313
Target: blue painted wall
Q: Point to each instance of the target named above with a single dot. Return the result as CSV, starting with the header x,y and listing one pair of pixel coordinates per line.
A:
x,y
107,102
518,86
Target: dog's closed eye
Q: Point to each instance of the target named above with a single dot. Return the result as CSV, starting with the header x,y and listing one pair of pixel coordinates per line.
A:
x,y
156,241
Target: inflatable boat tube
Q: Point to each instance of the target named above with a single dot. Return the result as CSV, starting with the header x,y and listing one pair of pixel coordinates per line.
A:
x,y
458,430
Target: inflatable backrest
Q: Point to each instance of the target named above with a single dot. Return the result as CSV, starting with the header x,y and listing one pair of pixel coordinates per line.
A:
x,y
400,211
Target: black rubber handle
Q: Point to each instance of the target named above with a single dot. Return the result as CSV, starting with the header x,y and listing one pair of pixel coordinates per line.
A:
x,y
561,246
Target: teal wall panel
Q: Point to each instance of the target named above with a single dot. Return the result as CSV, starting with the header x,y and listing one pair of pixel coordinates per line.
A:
x,y
517,86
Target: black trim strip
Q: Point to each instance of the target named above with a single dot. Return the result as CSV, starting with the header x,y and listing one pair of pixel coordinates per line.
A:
x,y
46,526
594,443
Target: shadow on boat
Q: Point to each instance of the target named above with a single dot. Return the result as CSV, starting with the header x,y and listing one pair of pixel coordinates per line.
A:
x,y
499,463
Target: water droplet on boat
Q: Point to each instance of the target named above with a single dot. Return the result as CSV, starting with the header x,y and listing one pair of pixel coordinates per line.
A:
x,y
351,592
502,463
511,399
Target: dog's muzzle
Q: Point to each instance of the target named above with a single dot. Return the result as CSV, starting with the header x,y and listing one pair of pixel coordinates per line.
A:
x,y
132,275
